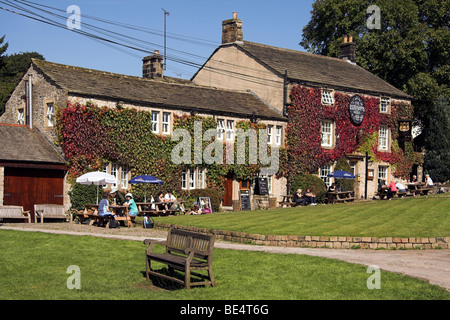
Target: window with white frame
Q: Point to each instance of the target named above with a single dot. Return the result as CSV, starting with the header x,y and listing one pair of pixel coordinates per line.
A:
x,y
383,138
327,97
50,114
193,178
324,171
124,172
166,123
269,134
115,172
21,116
382,173
278,131
230,130
155,121
326,131
384,105
184,180
220,128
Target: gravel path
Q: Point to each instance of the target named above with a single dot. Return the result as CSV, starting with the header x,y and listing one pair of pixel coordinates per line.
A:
x,y
432,265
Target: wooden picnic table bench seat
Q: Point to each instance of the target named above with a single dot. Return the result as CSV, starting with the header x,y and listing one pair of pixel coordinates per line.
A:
x,y
185,251
11,212
50,211
287,201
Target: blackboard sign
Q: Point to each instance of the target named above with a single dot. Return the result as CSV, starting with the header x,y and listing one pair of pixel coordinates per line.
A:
x,y
245,200
262,187
357,110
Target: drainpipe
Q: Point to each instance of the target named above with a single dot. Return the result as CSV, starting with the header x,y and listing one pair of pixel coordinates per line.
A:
x,y
30,101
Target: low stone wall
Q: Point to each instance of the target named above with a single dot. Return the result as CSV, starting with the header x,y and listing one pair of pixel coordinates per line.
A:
x,y
320,241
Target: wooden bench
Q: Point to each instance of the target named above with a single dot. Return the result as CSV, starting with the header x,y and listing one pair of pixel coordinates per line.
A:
x,y
287,201
185,251
50,211
14,212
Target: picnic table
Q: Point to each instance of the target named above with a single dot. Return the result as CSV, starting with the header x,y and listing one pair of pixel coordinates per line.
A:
x,y
145,208
91,212
418,188
287,201
340,196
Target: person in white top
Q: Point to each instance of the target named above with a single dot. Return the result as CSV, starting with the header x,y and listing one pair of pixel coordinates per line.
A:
x,y
428,181
169,196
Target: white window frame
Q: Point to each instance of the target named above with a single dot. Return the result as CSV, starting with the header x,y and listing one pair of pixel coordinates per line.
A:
x,y
115,168
278,131
327,97
50,114
326,133
269,133
200,178
21,116
124,177
383,138
166,123
191,179
324,171
220,128
385,104
382,173
184,180
155,121
230,130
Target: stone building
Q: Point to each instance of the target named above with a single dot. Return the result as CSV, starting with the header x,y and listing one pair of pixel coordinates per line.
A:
x,y
272,73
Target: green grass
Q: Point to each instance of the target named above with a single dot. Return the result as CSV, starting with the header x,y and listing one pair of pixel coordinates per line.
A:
x,y
34,266
411,217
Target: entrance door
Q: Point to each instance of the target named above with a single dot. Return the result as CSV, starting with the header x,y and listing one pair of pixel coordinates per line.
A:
x,y
27,187
227,200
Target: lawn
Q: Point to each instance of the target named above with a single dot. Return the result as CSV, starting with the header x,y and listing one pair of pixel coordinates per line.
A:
x,y
411,217
34,266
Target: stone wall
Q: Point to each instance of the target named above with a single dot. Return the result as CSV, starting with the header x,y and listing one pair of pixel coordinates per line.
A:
x,y
321,241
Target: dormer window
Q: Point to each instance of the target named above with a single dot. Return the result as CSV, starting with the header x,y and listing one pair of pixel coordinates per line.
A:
x,y
385,104
327,97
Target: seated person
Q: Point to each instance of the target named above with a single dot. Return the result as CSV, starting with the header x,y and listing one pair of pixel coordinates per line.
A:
x,y
169,197
332,188
414,179
195,209
310,197
381,184
400,187
118,195
428,181
103,209
159,199
132,207
298,198
392,189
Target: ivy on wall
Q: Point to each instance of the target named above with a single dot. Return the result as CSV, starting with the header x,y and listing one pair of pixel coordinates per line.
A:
x,y
304,153
92,137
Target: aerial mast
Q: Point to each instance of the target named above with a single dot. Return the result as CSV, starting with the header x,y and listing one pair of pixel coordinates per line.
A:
x,y
166,13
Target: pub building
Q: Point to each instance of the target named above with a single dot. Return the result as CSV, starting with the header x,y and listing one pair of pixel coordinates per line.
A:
x,y
276,75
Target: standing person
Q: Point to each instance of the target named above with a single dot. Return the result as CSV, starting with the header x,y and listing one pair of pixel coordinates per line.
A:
x,y
310,197
298,198
428,181
392,189
131,204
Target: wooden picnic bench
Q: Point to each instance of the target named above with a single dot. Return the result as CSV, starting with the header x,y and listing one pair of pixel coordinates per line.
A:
x,y
11,212
287,201
50,211
185,251
340,196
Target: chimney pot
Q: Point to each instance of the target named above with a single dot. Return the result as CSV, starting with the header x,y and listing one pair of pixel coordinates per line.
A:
x,y
350,39
232,30
234,15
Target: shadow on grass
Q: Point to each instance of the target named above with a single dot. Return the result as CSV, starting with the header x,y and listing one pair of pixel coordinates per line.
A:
x,y
158,283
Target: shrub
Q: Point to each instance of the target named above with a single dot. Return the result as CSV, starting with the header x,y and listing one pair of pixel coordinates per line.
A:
x,y
83,194
312,182
346,184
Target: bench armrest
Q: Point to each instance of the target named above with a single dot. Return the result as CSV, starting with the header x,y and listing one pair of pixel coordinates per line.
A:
x,y
188,251
151,242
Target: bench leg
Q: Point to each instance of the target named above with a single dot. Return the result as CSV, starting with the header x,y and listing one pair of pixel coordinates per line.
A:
x,y
187,277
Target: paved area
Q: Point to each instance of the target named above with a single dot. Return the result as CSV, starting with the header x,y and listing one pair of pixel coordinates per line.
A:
x,y
431,265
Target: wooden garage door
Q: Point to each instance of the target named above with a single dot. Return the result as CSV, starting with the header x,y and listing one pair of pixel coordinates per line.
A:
x,y
26,187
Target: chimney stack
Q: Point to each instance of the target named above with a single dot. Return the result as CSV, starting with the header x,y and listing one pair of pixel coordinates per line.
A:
x,y
232,30
152,66
348,49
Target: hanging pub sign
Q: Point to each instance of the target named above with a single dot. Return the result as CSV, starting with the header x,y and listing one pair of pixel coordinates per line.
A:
x,y
404,130
357,110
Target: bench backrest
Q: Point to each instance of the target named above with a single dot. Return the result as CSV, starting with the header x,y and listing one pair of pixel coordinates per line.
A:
x,y
50,209
179,240
11,211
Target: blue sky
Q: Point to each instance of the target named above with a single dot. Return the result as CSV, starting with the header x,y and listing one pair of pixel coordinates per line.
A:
x,y
197,22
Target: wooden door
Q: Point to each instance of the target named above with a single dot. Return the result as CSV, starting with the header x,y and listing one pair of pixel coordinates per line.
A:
x,y
27,187
227,200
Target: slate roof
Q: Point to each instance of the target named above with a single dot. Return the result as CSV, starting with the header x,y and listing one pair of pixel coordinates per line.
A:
x,y
20,143
179,95
318,70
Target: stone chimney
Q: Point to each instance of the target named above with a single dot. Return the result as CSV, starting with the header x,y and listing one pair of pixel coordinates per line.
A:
x,y
348,49
232,30
152,66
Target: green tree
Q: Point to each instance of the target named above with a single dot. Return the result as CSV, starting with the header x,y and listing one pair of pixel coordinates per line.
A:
x,y
3,49
410,49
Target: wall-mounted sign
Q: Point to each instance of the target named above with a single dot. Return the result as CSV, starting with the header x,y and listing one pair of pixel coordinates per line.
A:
x,y
404,130
357,110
